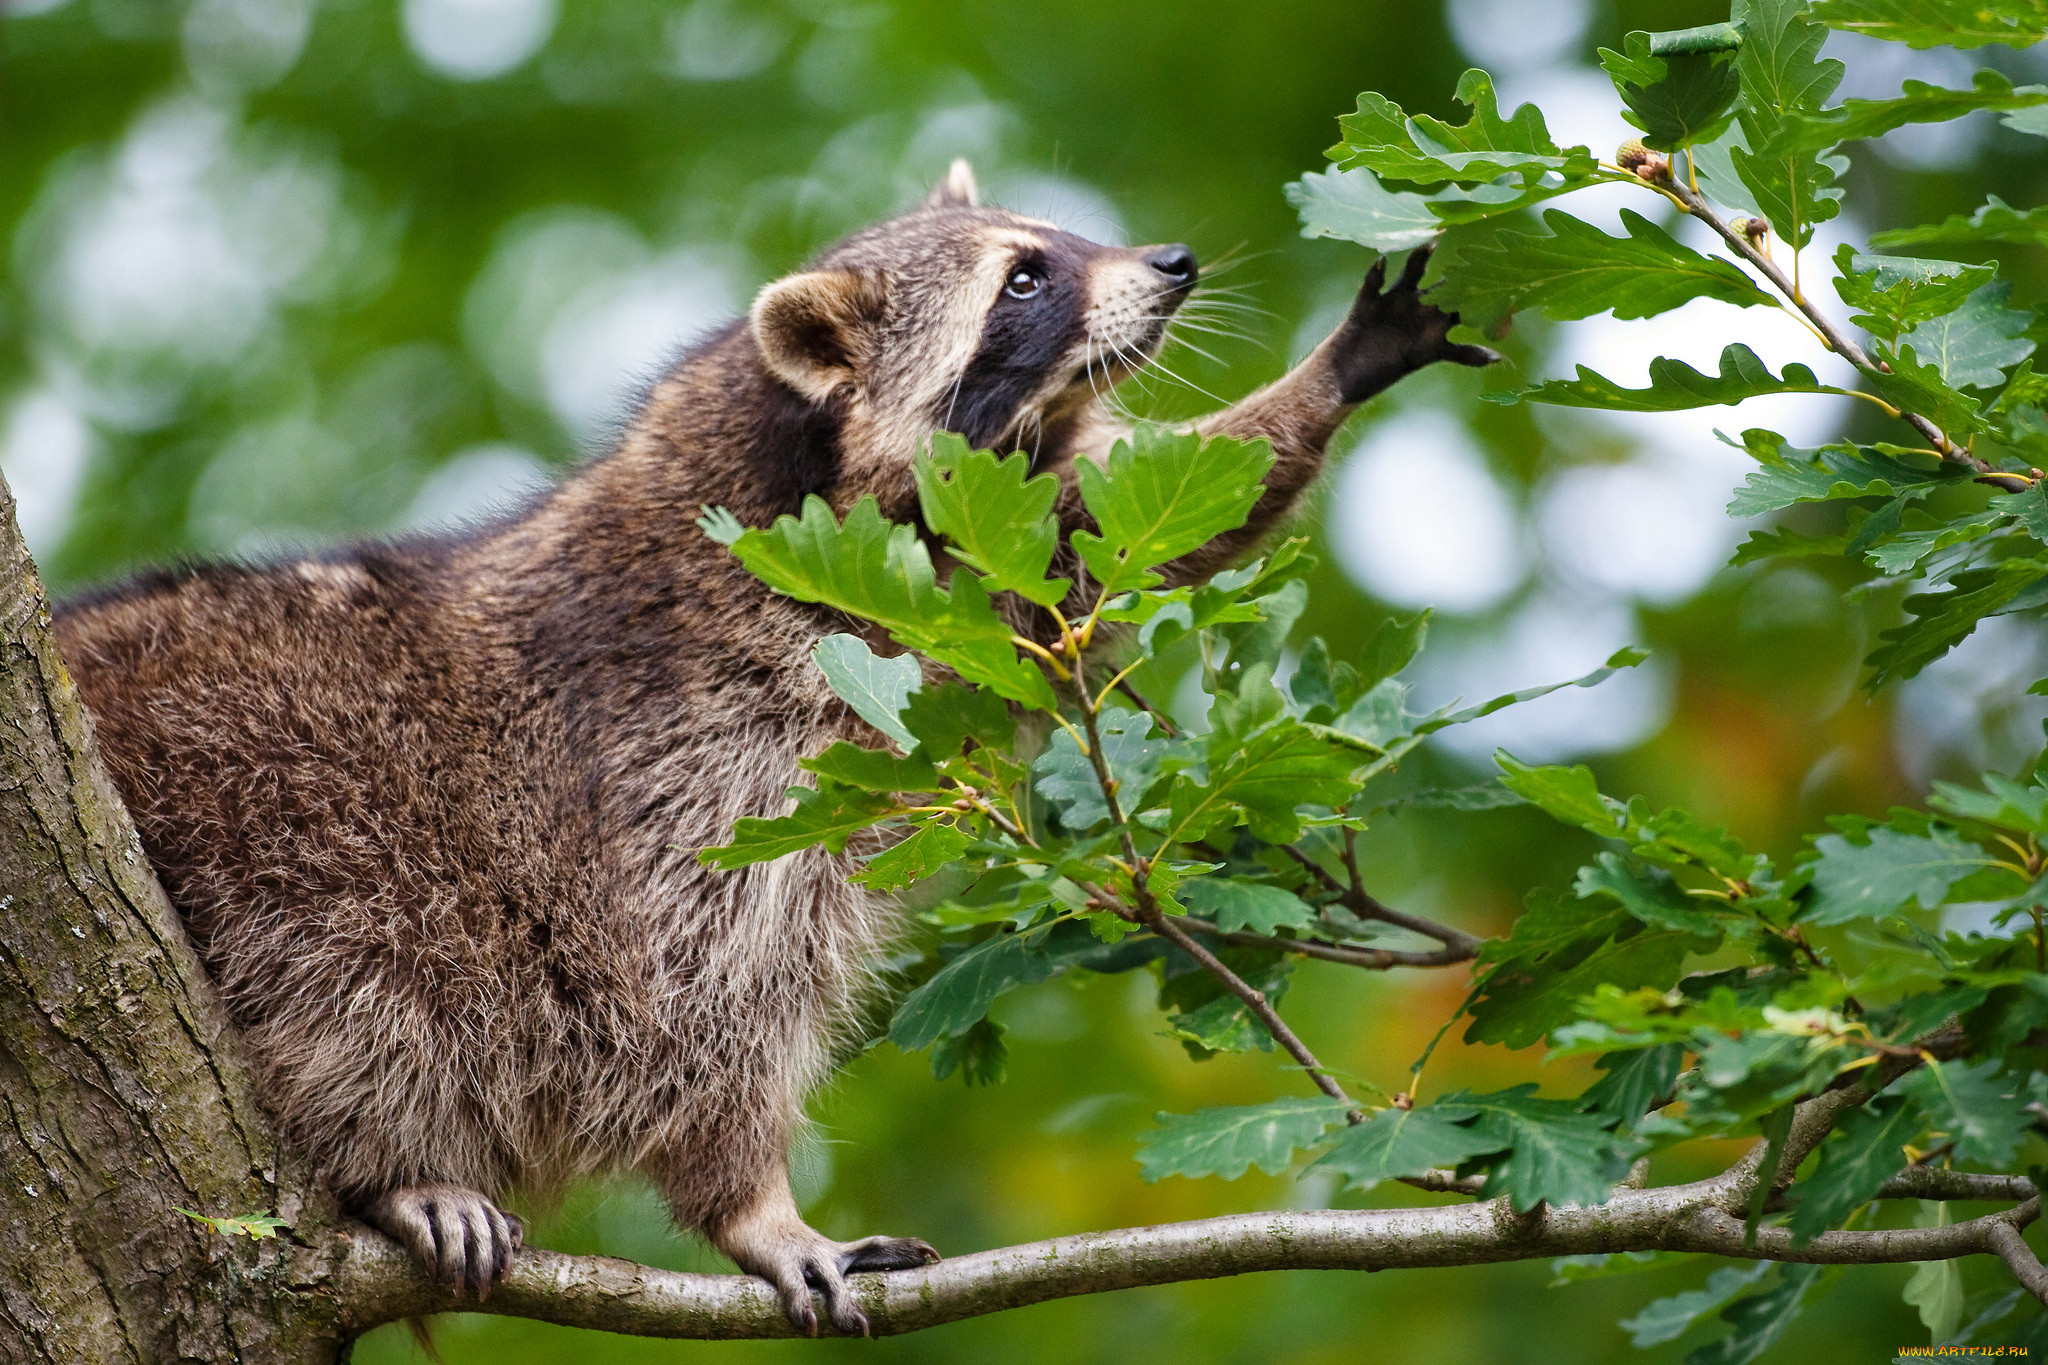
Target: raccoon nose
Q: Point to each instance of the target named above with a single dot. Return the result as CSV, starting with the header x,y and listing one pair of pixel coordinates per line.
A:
x,y
1176,263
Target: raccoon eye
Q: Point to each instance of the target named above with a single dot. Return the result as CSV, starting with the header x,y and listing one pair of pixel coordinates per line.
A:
x,y
1023,284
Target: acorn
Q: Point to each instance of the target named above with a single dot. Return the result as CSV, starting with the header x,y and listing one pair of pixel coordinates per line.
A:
x,y
1754,229
1641,162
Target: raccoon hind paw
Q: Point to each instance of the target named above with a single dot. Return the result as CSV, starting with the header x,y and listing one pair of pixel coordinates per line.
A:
x,y
462,1240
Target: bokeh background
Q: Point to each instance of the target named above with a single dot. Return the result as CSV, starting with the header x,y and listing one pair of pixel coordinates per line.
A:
x,y
280,272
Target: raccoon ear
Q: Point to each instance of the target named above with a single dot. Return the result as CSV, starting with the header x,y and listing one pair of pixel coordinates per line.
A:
x,y
957,190
817,330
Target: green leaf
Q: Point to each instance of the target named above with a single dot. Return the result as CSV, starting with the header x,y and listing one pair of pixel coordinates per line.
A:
x,y
1791,177
1394,643
1162,494
1267,776
1635,1081
1865,1150
1759,1320
980,1055
1676,95
1606,1265
1396,1143
1674,386
1670,837
1238,906
2003,802
1355,207
2029,509
1920,103
1228,1141
884,574
1782,71
830,815
942,719
959,993
1579,271
931,849
1067,778
876,688
1910,385
1994,221
875,770
1651,895
1527,994
1224,1023
1896,293
1627,657
1908,548
1936,1289
1667,1319
1975,1106
1863,881
1943,619
257,1227
1978,342
1569,795
1381,138
1560,950
1554,1153
998,522
1940,23
1787,474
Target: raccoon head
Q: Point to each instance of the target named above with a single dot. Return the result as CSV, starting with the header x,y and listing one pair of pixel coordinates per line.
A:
x,y
956,317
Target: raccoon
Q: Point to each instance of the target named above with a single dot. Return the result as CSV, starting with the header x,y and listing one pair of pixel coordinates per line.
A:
x,y
431,807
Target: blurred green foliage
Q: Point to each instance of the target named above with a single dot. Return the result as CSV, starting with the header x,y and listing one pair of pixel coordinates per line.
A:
x,y
279,274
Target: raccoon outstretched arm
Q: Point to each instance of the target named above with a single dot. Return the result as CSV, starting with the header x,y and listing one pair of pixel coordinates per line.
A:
x,y
1389,334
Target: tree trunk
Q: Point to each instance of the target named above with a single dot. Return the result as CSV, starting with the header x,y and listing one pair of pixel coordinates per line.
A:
x,y
126,1096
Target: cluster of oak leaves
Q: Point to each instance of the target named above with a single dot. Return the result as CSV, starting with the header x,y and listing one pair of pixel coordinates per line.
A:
x,y
1051,808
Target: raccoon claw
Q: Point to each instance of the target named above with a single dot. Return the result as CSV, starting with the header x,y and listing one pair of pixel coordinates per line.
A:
x,y
464,1241
1393,332
822,1266
885,1253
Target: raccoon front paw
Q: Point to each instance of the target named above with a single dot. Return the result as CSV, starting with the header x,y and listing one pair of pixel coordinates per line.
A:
x,y
463,1239
797,1261
1394,332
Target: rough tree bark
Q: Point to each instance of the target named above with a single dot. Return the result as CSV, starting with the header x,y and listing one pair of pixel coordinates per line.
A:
x,y
127,1100
125,1095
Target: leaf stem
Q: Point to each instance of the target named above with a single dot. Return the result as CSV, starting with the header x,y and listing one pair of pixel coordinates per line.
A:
x,y
1051,659
1255,1000
1113,683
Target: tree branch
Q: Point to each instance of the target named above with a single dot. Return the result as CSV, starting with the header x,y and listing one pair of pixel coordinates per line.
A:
x,y
1932,1182
382,1283
1254,999
2005,1241
1836,340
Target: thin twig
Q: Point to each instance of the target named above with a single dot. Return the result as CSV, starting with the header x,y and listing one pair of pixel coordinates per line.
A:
x,y
1838,341
1159,717
1315,868
1373,959
1932,1182
1368,906
1255,1000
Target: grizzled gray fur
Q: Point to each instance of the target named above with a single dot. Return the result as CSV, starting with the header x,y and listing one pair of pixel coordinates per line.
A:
x,y
431,807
